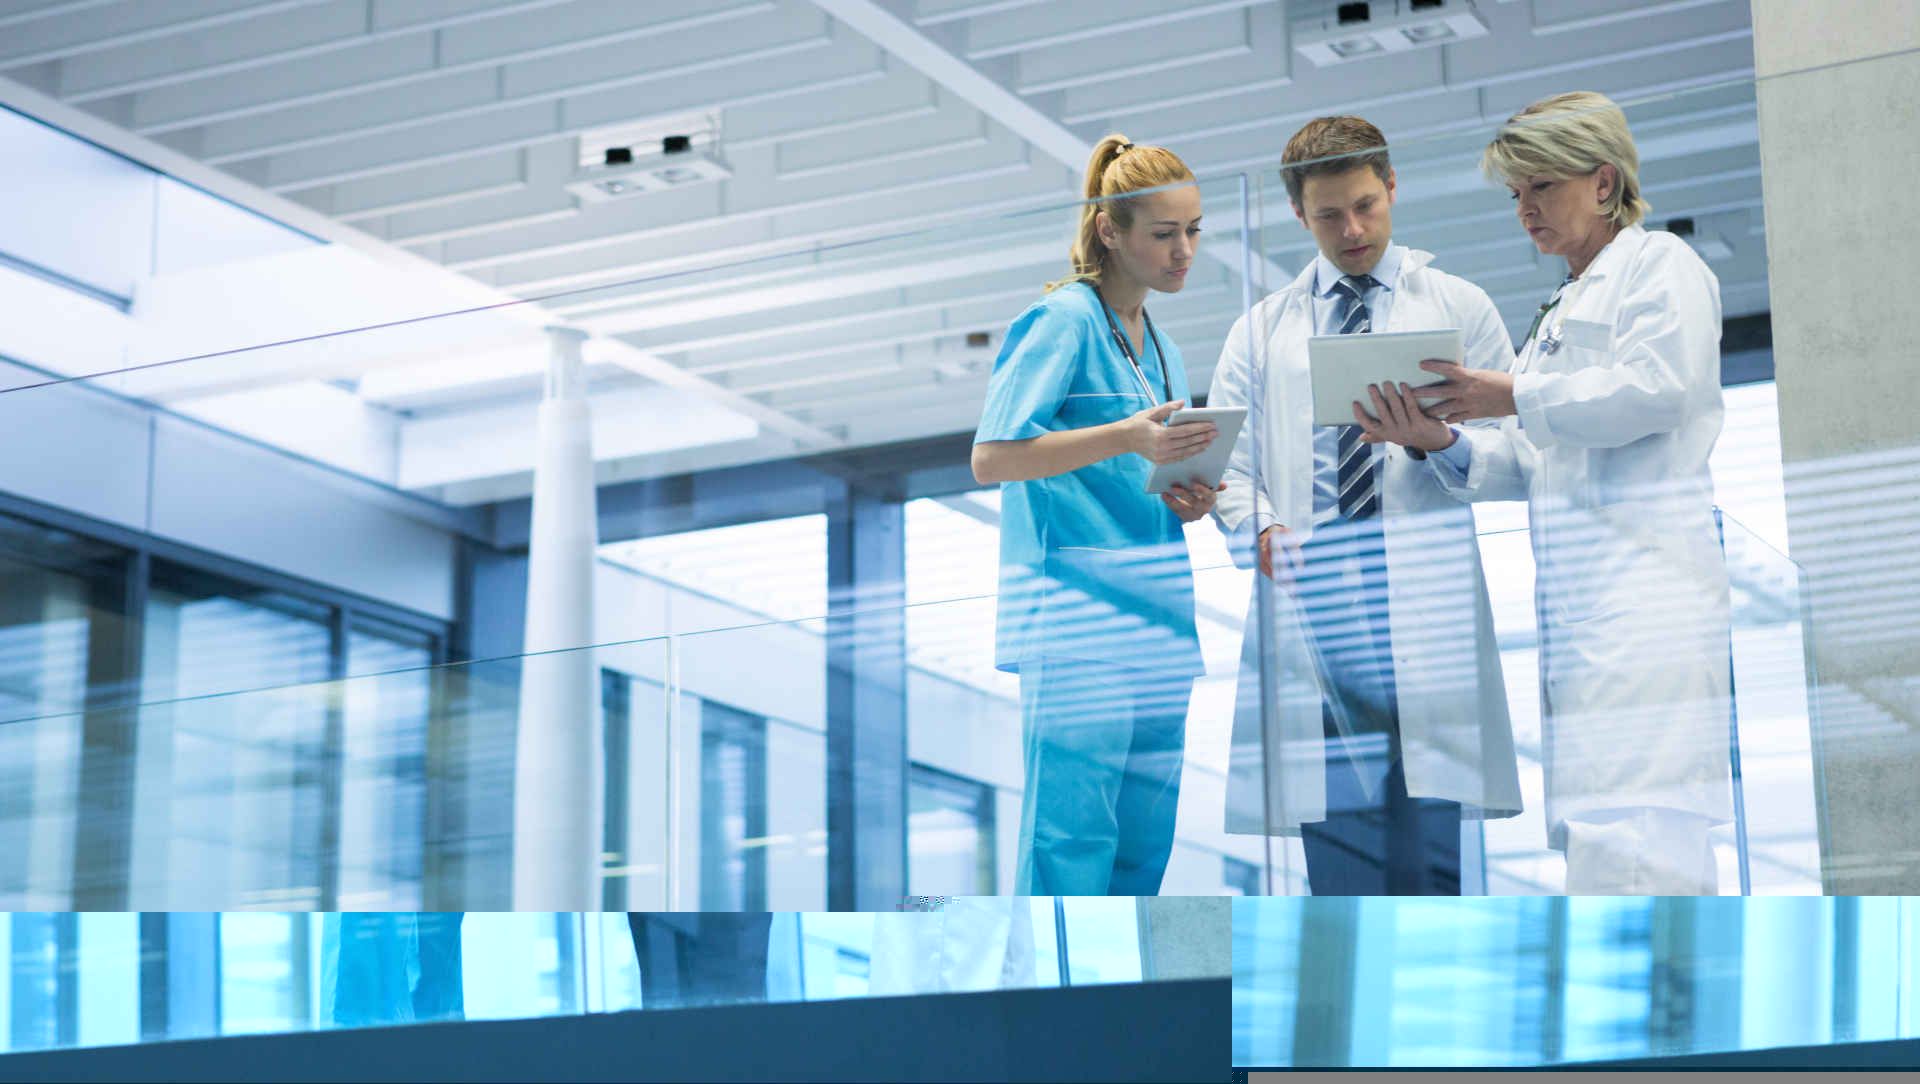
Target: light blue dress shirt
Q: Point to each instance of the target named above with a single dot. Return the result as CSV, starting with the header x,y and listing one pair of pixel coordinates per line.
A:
x,y
1329,310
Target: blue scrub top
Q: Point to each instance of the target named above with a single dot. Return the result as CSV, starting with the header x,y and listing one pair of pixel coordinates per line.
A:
x,y
1092,566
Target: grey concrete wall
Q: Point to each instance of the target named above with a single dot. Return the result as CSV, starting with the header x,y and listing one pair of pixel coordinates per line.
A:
x,y
1186,937
1840,151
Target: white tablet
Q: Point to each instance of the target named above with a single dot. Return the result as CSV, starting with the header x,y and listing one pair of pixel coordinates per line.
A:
x,y
1206,468
1344,365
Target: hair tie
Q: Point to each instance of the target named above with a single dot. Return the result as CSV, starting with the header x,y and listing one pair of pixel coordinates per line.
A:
x,y
1124,148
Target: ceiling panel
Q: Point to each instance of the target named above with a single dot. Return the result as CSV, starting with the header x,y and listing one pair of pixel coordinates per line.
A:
x,y
878,149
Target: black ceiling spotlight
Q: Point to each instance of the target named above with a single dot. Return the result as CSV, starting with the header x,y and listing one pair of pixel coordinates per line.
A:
x,y
1680,227
979,340
619,156
1348,14
1426,5
676,144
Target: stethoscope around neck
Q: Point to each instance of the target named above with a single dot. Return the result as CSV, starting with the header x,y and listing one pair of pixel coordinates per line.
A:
x,y
1551,335
1126,349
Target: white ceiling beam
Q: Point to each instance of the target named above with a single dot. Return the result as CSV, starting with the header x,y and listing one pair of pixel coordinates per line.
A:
x,y
533,118
1426,184
753,211
1622,70
666,373
1074,24
713,337
399,60
916,46
885,27
501,440
767,447
51,10
1419,94
884,253
62,34
1138,58
855,329
1266,65
934,12
950,132
334,31
685,46
821,288
172,163
813,113
1621,13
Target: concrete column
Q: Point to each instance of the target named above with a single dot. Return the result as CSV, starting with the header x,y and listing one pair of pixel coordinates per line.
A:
x,y
1840,148
1185,937
559,782
866,702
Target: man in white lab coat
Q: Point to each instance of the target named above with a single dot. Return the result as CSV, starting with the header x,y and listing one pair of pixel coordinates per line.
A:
x,y
1385,718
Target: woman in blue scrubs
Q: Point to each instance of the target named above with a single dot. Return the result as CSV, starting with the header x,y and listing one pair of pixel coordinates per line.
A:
x,y
1096,590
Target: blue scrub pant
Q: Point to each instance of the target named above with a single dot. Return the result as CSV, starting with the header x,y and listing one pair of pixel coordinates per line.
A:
x,y
1377,840
1104,746
397,967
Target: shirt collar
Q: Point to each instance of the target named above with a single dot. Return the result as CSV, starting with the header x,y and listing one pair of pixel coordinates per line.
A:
x,y
1386,272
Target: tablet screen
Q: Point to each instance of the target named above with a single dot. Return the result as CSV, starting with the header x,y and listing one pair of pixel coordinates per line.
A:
x,y
1344,365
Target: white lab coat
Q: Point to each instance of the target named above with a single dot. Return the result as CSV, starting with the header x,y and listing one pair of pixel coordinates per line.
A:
x,y
1456,739
968,943
1610,450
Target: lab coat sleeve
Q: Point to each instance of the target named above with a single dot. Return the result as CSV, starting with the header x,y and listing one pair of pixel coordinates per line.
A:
x,y
1032,375
1494,463
1665,341
1239,511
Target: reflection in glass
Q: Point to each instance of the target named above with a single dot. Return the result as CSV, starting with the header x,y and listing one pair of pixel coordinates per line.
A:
x,y
950,834
1384,981
232,788
70,979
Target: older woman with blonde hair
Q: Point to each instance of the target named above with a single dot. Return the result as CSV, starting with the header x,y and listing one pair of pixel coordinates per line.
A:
x,y
1608,418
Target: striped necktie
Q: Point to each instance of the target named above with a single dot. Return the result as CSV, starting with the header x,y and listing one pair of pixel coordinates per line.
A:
x,y
1355,477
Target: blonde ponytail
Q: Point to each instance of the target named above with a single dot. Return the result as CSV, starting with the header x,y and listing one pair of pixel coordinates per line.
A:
x,y
1116,168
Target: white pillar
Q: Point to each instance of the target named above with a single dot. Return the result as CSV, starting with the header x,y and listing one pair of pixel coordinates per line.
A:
x,y
1839,149
559,781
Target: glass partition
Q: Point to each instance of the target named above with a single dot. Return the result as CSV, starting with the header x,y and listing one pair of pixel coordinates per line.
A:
x,y
719,793
1405,716
789,521
309,754
1397,982
79,980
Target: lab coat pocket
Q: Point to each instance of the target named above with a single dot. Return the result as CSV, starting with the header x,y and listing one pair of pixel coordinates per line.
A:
x,y
1583,343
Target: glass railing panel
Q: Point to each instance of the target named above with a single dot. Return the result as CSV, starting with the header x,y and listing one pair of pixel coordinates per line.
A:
x,y
885,314
1386,982
1698,165
718,793
85,980
358,793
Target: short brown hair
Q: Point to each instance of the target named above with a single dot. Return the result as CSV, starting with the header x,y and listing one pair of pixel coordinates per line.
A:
x,y
1330,145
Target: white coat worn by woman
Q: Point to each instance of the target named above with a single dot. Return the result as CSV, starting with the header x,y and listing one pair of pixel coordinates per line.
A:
x,y
1455,738
1608,421
1610,450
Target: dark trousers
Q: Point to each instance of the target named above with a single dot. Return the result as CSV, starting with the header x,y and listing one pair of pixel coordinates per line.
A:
x,y
700,958
1376,840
